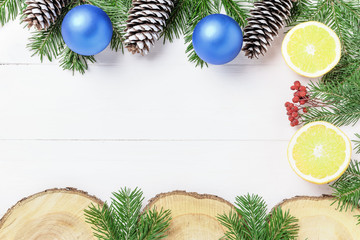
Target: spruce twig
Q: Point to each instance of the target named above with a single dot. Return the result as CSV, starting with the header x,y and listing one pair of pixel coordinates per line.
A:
x,y
10,9
342,102
357,143
249,221
340,15
346,189
49,43
123,220
200,9
117,10
176,24
70,60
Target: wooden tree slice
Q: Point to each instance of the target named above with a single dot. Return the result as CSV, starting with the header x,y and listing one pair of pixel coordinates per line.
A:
x,y
193,215
56,214
319,220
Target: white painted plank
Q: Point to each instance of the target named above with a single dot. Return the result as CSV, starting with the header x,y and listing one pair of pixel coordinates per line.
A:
x,y
148,101
226,169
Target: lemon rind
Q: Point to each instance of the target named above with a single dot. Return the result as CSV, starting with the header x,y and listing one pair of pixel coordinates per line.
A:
x,y
298,70
341,169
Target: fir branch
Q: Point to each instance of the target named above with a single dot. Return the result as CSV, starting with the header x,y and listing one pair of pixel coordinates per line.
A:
x,y
49,43
10,9
199,10
348,69
239,10
340,15
341,103
103,224
70,60
346,189
117,10
153,225
282,225
127,206
250,221
357,143
252,209
122,219
296,11
233,225
176,24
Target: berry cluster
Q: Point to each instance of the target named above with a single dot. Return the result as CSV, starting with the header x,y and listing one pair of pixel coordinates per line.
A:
x,y
301,97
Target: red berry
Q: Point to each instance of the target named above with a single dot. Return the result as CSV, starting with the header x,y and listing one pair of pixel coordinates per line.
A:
x,y
295,122
287,104
289,113
292,124
305,110
295,99
297,84
293,88
295,108
294,114
296,94
302,94
302,102
291,119
303,88
288,108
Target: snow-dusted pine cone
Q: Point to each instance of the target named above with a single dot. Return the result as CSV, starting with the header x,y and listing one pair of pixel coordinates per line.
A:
x,y
147,18
267,17
42,13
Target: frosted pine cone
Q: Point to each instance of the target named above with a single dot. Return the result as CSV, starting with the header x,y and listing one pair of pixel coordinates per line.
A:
x,y
147,19
42,13
267,17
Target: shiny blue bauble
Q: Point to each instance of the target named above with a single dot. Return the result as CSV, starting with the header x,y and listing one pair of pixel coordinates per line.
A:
x,y
217,39
86,30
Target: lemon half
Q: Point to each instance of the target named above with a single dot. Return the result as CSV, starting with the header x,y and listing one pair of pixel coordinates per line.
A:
x,y
319,152
311,49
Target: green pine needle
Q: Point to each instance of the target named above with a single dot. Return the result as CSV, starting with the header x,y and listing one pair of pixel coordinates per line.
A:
x,y
282,225
70,60
154,224
49,43
199,10
176,24
357,143
249,221
123,220
103,223
342,16
239,10
346,189
341,102
10,9
117,10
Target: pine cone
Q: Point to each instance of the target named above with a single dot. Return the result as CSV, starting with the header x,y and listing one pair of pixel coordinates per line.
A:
x,y
267,17
42,13
147,19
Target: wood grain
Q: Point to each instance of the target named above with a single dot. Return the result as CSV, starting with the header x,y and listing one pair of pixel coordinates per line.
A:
x,y
52,214
319,219
194,216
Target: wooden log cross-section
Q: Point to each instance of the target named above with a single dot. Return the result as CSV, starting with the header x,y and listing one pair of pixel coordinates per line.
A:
x,y
193,215
320,220
56,214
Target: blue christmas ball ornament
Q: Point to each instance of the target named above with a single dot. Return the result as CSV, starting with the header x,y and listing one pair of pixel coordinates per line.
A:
x,y
86,30
217,39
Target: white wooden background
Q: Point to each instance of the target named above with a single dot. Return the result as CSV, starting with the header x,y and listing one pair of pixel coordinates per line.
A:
x,y
155,122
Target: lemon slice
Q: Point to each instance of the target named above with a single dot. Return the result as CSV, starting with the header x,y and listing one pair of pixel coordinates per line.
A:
x,y
319,152
311,49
